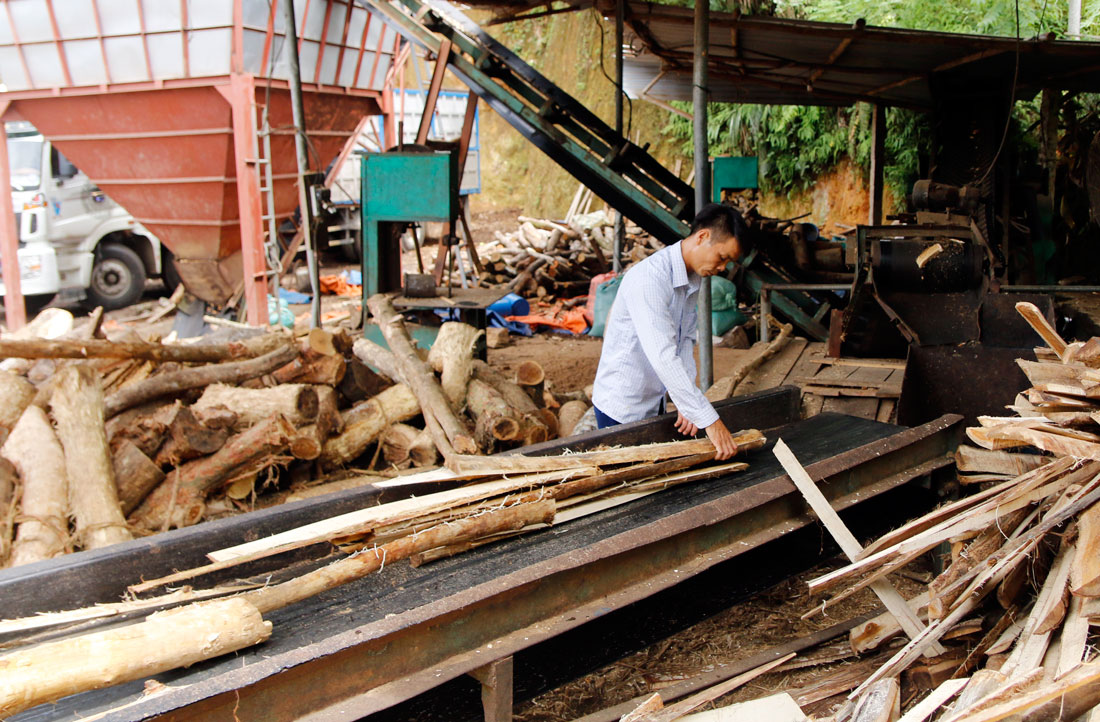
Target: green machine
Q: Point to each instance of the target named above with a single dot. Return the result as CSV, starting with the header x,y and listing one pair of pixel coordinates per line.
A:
x,y
399,188
733,173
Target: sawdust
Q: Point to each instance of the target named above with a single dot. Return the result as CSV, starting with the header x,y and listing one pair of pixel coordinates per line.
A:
x,y
756,625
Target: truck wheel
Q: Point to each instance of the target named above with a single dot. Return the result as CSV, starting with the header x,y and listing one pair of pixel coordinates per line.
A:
x,y
169,274
118,278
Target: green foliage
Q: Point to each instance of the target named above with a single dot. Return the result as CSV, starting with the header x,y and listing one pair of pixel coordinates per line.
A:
x,y
797,144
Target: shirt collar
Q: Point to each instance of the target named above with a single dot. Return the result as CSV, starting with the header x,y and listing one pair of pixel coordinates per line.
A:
x,y
680,275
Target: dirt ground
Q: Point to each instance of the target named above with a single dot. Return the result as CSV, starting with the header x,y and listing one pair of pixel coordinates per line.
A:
x,y
570,361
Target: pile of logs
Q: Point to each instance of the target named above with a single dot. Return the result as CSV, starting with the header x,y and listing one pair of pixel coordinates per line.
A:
x,y
508,495
103,439
548,259
1005,629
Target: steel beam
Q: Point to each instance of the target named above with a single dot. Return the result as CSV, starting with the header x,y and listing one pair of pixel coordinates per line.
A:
x,y
241,94
15,311
699,93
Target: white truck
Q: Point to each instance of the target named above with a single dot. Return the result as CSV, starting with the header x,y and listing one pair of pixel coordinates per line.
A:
x,y
72,237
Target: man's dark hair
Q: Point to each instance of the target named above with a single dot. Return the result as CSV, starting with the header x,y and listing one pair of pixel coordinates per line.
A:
x,y
723,222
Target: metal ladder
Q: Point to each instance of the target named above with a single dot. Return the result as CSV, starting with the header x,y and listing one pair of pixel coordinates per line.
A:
x,y
618,171
261,141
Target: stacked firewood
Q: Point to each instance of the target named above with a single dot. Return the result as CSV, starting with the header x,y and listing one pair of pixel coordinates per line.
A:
x,y
550,259
509,495
104,439
1006,626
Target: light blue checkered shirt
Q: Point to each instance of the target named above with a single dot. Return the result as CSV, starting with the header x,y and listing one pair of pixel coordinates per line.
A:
x,y
649,344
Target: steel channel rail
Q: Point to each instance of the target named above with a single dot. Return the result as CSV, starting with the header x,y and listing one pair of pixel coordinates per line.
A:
x,y
375,666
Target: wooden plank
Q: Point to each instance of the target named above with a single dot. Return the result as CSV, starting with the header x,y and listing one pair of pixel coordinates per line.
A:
x,y
774,371
678,710
889,596
882,363
1037,321
806,365
974,460
886,409
880,703
886,392
934,701
1085,571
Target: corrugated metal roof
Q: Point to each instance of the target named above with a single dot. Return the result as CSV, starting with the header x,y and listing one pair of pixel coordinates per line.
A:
x,y
782,61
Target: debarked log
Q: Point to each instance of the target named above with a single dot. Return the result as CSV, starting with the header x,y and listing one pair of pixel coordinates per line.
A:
x,y
34,451
165,640
77,407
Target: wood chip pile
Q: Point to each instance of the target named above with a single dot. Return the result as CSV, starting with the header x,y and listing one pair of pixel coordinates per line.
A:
x,y
107,439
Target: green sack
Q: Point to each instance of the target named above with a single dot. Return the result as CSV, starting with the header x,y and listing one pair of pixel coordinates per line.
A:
x,y
724,313
605,296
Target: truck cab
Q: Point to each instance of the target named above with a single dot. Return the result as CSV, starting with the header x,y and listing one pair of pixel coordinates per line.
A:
x,y
72,237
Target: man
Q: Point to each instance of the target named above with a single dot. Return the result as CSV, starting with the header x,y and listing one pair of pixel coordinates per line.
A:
x,y
649,343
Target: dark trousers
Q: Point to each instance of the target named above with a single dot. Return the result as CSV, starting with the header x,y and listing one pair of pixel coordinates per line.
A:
x,y
603,420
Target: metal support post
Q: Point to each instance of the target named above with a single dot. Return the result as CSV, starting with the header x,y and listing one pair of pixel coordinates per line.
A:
x,y
702,177
433,92
620,227
298,113
241,94
878,161
15,312
496,689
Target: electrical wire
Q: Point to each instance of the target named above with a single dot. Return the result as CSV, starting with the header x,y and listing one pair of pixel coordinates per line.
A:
x,y
629,103
1011,103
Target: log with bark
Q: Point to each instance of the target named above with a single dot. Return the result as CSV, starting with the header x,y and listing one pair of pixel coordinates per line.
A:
x,y
297,402
34,451
165,640
192,378
366,421
317,363
491,522
98,348
135,473
186,437
404,446
569,414
9,499
531,378
310,439
179,499
77,408
420,379
496,420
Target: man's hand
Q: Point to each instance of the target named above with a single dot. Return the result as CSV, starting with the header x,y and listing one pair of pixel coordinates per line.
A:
x,y
684,426
724,445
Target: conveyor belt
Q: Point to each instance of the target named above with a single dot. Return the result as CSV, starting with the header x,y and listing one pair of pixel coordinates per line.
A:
x,y
385,638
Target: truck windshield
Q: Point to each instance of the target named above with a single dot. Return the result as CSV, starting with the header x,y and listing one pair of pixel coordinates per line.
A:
x,y
25,162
